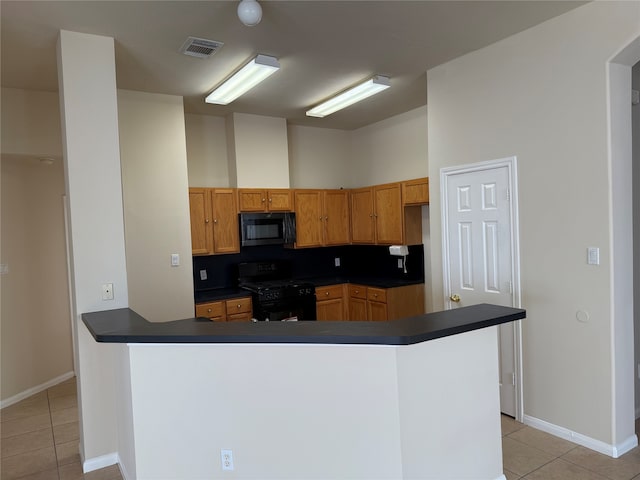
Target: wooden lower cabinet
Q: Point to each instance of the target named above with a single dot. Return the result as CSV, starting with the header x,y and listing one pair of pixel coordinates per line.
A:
x,y
331,302
357,302
233,310
380,304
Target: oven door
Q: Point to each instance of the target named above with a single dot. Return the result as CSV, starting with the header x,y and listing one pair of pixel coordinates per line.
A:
x,y
287,310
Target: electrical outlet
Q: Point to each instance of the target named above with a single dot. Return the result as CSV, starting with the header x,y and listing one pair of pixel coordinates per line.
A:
x,y
227,459
400,263
175,259
107,291
203,274
336,261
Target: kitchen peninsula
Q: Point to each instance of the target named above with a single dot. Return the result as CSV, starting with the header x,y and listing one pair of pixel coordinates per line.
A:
x,y
412,398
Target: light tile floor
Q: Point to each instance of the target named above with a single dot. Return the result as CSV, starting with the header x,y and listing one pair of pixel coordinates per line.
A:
x,y
529,454
39,441
39,438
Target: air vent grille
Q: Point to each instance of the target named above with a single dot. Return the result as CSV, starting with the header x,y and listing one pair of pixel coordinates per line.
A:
x,y
200,47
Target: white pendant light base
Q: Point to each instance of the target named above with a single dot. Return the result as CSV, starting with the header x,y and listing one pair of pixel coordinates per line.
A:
x,y
249,12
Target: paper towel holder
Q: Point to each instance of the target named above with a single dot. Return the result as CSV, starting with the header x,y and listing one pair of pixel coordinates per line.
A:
x,y
399,250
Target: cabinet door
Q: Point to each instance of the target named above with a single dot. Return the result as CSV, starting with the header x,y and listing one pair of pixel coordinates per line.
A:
x,y
357,308
415,192
377,311
330,309
280,200
252,200
225,221
362,221
308,218
336,217
389,218
200,214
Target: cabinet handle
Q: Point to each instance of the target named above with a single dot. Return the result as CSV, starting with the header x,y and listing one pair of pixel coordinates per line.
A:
x,y
326,218
239,305
320,218
375,295
206,220
371,215
326,293
215,220
270,200
264,199
208,310
357,291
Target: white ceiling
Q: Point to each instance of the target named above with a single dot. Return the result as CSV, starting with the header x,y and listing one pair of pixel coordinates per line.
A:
x,y
323,47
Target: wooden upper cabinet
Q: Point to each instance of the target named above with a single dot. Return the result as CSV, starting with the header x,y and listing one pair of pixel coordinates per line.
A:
x,y
214,221
309,218
226,237
262,200
201,226
335,205
389,218
415,192
322,217
362,220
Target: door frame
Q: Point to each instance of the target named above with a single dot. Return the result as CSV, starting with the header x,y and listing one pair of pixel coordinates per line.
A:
x,y
516,298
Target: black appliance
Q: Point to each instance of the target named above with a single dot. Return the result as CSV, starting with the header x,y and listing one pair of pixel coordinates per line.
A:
x,y
267,229
275,297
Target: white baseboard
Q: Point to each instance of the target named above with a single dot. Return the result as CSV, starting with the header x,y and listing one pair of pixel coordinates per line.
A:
x,y
501,477
614,451
123,470
37,389
99,462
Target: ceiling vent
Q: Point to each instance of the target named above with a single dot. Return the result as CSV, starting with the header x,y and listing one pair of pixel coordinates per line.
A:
x,y
200,47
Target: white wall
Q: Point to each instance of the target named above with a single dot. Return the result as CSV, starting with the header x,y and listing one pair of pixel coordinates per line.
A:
x,y
36,323
635,112
156,204
30,123
260,155
541,95
319,157
391,150
87,81
332,412
206,151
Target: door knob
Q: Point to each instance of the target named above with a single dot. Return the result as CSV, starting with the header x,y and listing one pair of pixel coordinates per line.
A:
x,y
455,298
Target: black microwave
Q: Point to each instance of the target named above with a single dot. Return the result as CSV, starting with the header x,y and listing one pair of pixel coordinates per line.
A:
x,y
267,229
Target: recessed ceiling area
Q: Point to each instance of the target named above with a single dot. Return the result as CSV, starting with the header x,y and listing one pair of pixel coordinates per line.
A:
x,y
323,47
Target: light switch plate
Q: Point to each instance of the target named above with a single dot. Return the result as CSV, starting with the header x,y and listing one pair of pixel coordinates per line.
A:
x,y
175,259
593,256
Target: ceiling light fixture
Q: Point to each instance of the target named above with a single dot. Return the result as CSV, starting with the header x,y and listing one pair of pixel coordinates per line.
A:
x,y
250,12
244,80
351,96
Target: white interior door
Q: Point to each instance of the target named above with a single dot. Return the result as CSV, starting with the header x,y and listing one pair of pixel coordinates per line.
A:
x,y
480,253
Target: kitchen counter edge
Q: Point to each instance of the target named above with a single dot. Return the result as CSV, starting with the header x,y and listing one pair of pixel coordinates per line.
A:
x,y
126,326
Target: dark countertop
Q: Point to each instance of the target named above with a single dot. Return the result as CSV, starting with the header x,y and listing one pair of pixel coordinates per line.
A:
x,y
126,326
215,294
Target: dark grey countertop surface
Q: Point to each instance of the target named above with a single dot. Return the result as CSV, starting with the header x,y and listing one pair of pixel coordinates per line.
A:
x,y
216,294
126,326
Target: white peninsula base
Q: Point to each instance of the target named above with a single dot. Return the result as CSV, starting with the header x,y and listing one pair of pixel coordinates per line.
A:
x,y
312,411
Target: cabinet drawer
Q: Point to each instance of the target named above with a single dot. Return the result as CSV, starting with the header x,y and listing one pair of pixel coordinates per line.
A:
x,y
210,309
328,292
358,291
238,305
376,294
239,317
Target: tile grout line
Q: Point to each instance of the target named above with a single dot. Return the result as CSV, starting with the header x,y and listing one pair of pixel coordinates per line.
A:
x,y
55,449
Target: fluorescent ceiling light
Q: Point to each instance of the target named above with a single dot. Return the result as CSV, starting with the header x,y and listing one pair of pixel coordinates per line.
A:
x,y
351,96
244,80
